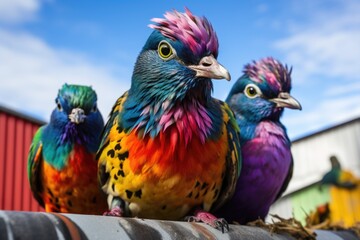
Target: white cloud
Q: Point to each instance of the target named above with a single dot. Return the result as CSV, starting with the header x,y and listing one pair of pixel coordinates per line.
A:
x,y
327,112
18,10
331,54
32,72
324,51
344,88
328,44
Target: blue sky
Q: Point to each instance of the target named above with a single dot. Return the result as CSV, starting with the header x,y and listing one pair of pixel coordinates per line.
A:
x,y
45,43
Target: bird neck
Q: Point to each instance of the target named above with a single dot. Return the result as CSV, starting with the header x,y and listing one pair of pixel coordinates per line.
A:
x,y
58,143
272,132
247,130
73,133
265,129
191,117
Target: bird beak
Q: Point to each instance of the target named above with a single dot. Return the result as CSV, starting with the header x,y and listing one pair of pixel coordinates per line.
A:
x,y
77,115
286,100
209,67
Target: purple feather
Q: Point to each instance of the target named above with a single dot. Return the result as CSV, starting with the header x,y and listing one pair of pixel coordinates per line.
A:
x,y
266,163
265,147
73,134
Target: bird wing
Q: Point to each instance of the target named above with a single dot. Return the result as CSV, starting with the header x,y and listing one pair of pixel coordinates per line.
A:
x,y
287,179
346,180
103,175
233,157
35,159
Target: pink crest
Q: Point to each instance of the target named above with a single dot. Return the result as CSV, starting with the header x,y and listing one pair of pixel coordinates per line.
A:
x,y
271,71
195,32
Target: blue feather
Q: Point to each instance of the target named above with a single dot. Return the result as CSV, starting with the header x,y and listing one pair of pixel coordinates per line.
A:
x,y
60,135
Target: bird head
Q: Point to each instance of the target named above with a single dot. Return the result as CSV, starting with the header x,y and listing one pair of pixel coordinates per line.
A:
x,y
76,105
178,60
335,164
263,91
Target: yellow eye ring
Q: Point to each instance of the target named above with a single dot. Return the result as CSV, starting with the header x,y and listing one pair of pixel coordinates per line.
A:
x,y
165,50
252,91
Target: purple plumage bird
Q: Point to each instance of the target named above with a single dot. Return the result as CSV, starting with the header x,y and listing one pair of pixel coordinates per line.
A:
x,y
258,100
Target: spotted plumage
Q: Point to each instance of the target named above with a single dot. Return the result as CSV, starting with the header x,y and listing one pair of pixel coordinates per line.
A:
x,y
62,169
168,146
258,99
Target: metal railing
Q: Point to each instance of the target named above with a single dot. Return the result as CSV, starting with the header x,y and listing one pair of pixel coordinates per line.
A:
x,y
39,225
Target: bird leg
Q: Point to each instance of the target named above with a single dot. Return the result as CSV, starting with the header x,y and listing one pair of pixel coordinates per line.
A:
x,y
206,217
116,208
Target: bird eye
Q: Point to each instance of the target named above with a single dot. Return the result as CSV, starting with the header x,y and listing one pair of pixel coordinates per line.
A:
x,y
252,91
58,105
94,108
165,50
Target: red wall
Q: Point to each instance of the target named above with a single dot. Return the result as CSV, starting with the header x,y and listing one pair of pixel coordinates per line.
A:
x,y
16,133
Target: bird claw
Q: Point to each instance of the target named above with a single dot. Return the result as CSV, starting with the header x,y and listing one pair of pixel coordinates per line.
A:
x,y
209,219
114,212
222,224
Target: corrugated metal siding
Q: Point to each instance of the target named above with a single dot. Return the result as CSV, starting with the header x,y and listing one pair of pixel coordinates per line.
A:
x,y
311,154
16,134
311,161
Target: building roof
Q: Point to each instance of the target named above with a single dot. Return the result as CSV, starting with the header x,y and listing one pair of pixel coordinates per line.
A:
x,y
21,115
326,129
311,153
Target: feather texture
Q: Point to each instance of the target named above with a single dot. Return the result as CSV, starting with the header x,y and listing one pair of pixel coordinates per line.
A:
x,y
166,147
62,169
196,32
258,99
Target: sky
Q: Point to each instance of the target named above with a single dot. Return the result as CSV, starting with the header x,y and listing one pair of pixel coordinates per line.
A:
x,y
46,43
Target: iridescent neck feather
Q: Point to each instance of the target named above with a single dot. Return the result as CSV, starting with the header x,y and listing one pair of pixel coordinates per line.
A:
x,y
74,134
190,119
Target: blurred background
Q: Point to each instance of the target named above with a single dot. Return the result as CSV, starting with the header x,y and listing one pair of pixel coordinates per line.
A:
x,y
46,43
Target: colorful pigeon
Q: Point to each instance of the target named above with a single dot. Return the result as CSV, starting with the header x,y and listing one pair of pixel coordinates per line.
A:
x,y
62,168
258,99
169,147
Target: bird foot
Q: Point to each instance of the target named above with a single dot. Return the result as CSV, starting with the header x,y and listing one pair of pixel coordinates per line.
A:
x,y
209,219
114,212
